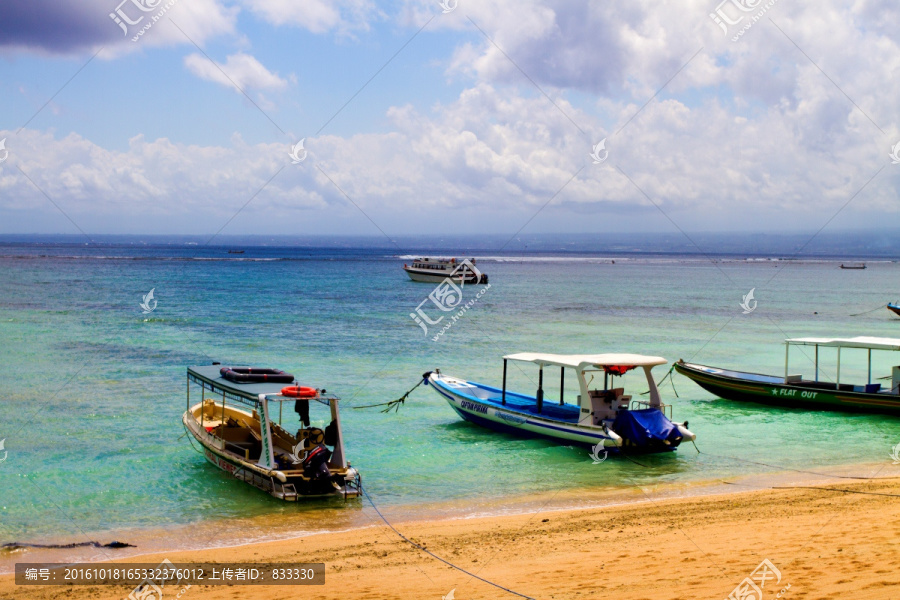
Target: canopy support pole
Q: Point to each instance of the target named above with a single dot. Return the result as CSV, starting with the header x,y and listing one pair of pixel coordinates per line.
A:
x,y
817,363
267,456
655,399
787,348
503,396
869,381
202,401
562,384
837,385
540,390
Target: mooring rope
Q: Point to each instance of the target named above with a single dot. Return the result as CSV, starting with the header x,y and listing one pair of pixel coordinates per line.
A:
x,y
435,556
783,468
394,405
824,489
869,311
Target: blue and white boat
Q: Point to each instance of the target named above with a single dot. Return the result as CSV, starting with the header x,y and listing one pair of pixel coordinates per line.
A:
x,y
600,418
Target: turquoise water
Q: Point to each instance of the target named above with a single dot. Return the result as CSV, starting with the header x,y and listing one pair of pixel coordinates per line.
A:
x,y
94,389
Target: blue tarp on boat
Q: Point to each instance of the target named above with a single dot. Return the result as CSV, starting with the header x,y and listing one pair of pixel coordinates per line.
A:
x,y
646,426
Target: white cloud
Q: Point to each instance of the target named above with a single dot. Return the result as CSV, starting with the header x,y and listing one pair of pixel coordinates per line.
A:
x,y
317,16
239,69
486,162
751,134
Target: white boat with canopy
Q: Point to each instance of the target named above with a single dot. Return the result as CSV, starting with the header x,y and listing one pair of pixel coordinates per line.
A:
x,y
599,416
234,423
436,270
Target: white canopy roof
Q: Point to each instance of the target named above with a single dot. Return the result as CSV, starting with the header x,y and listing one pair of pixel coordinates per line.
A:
x,y
584,361
875,343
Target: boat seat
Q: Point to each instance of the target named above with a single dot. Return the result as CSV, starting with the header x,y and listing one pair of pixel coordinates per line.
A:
x,y
480,393
252,431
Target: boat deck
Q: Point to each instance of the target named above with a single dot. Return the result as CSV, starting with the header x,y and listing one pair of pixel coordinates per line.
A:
x,y
515,402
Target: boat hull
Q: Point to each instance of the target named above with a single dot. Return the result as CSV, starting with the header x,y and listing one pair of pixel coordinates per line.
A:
x,y
517,423
765,389
894,308
423,277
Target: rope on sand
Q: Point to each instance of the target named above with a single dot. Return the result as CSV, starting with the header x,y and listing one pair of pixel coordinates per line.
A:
x,y
435,556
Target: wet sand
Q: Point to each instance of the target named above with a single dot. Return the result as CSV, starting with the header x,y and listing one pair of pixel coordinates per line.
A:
x,y
825,544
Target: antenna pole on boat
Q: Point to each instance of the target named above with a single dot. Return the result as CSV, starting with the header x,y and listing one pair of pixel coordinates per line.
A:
x,y
540,391
503,395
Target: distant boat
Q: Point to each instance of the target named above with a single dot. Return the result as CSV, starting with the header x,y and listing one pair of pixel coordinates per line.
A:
x,y
235,252
859,266
435,270
894,308
811,393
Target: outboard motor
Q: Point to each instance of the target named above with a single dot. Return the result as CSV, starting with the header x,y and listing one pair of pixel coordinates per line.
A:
x,y
315,464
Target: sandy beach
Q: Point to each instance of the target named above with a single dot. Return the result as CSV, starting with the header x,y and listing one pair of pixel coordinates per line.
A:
x,y
825,544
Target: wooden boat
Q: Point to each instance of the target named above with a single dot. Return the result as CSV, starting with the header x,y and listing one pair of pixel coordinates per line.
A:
x,y
894,308
796,391
436,270
233,424
602,418
859,266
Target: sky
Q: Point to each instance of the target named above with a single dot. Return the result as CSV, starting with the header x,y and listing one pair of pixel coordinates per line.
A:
x,y
424,117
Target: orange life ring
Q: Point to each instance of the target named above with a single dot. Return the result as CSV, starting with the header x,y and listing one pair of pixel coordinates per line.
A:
x,y
298,391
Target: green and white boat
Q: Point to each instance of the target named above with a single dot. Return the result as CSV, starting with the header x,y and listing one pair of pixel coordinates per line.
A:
x,y
794,390
235,424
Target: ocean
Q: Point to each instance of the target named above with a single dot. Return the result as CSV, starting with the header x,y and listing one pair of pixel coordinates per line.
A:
x,y
94,388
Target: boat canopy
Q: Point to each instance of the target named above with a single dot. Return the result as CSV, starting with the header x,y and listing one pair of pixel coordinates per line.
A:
x,y
871,343
210,377
588,361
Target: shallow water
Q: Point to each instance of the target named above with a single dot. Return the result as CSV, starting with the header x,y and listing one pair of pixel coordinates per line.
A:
x,y
91,404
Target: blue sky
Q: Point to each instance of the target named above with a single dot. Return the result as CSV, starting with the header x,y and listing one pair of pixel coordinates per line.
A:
x,y
484,122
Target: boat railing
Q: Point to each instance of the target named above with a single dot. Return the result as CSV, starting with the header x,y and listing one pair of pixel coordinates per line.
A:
x,y
642,404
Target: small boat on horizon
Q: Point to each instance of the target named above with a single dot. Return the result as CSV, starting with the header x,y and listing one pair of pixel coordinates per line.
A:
x,y
235,252
238,434
854,267
436,270
793,390
600,418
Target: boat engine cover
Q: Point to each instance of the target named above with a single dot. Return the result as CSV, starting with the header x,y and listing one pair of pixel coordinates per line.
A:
x,y
315,464
646,427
